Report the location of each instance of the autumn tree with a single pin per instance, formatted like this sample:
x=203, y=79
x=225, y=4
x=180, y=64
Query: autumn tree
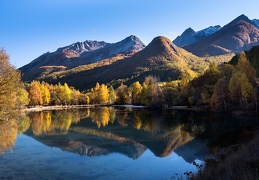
x=99, y=94
x=84, y=99
x=54, y=95
x=220, y=97
x=75, y=96
x=122, y=94
x=94, y=94
x=112, y=95
x=244, y=66
x=240, y=89
x=10, y=85
x=103, y=94
x=200, y=89
x=61, y=94
x=170, y=92
x=22, y=98
x=66, y=94
x=136, y=91
x=35, y=94
x=227, y=71
x=45, y=93
x=151, y=94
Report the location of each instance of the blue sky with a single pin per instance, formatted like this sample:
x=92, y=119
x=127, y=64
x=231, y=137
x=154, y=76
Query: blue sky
x=30, y=28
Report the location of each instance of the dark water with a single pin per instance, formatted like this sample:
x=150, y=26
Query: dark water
x=109, y=143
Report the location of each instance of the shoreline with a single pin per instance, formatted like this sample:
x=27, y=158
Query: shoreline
x=47, y=108
x=63, y=107
x=197, y=109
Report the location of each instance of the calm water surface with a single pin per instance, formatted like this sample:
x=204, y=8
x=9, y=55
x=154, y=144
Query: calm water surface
x=115, y=143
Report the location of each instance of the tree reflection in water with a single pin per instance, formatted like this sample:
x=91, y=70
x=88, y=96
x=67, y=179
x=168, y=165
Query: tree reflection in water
x=8, y=131
x=160, y=131
x=101, y=116
x=47, y=121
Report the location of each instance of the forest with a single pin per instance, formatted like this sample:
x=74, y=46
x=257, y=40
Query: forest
x=222, y=87
x=219, y=88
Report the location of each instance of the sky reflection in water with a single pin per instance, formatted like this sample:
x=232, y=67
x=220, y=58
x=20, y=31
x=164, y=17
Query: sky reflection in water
x=110, y=143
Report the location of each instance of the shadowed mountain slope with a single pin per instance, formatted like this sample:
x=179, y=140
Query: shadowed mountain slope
x=240, y=34
x=78, y=54
x=189, y=36
x=160, y=58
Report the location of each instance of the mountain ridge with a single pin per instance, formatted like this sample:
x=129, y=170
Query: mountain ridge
x=190, y=36
x=238, y=35
x=160, y=58
x=77, y=54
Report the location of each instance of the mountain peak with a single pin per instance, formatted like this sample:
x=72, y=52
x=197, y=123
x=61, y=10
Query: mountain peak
x=242, y=17
x=81, y=47
x=238, y=35
x=189, y=36
x=188, y=31
x=160, y=40
x=131, y=42
x=133, y=38
x=238, y=20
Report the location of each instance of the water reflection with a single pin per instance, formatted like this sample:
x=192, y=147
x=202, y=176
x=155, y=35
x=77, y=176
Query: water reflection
x=48, y=121
x=105, y=130
x=8, y=131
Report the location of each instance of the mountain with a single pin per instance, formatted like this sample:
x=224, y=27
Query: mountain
x=189, y=36
x=80, y=53
x=256, y=22
x=83, y=64
x=160, y=58
x=239, y=35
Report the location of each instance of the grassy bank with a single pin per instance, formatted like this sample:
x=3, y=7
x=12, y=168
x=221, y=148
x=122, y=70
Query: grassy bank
x=237, y=162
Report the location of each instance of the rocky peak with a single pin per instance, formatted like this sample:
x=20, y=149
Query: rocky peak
x=256, y=22
x=188, y=31
x=81, y=47
x=240, y=19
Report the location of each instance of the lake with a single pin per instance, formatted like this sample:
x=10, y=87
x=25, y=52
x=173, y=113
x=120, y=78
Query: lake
x=115, y=143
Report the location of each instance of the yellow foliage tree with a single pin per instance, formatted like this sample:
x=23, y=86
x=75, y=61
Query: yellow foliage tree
x=10, y=86
x=35, y=94
x=45, y=93
x=136, y=90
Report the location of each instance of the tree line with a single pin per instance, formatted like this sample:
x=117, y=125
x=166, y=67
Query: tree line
x=223, y=87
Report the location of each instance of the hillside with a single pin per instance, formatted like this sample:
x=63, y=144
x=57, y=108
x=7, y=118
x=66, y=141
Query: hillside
x=240, y=34
x=160, y=58
x=78, y=54
x=252, y=55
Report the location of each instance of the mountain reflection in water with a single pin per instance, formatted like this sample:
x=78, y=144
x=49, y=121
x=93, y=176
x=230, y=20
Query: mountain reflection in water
x=101, y=131
x=113, y=143
x=105, y=130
